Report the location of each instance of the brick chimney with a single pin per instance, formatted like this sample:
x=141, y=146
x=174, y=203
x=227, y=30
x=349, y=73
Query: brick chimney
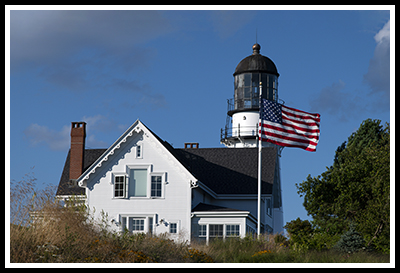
x=78, y=135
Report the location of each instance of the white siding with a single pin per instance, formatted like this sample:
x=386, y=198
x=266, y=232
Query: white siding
x=175, y=203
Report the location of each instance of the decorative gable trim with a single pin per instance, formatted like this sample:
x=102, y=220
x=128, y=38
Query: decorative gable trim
x=137, y=127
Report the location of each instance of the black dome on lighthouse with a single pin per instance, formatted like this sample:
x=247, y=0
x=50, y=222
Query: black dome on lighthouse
x=256, y=63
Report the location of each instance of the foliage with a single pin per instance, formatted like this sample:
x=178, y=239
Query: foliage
x=303, y=236
x=356, y=188
x=70, y=235
x=300, y=232
x=351, y=242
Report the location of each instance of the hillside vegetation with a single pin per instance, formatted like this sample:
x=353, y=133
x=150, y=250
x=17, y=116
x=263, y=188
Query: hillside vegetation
x=71, y=235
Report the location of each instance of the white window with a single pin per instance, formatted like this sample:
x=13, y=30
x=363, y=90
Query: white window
x=136, y=223
x=138, y=181
x=173, y=228
x=202, y=230
x=156, y=186
x=216, y=231
x=119, y=186
x=232, y=230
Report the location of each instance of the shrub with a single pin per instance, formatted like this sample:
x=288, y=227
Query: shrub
x=351, y=241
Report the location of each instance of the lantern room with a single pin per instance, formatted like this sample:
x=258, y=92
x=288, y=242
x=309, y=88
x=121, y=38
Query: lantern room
x=243, y=109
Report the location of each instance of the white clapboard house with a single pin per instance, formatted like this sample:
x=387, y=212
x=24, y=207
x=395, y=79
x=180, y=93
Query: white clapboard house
x=146, y=185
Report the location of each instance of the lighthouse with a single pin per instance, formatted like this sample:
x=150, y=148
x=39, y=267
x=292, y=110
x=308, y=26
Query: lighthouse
x=241, y=129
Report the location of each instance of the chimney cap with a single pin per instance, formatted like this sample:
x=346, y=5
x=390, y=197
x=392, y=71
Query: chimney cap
x=78, y=124
x=191, y=145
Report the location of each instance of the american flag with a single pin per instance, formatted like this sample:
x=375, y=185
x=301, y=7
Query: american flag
x=286, y=126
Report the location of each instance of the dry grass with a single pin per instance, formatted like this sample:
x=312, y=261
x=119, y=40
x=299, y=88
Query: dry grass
x=68, y=235
x=58, y=234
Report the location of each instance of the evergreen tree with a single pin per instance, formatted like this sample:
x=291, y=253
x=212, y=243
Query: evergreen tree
x=351, y=241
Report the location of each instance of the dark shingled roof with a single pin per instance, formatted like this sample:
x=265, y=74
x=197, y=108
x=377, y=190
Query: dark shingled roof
x=230, y=170
x=64, y=188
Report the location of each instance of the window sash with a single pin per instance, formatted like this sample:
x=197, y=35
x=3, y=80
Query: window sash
x=156, y=186
x=136, y=224
x=216, y=231
x=202, y=230
x=173, y=228
x=232, y=230
x=119, y=186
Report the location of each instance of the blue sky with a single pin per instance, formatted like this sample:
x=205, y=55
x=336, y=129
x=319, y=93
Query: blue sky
x=173, y=70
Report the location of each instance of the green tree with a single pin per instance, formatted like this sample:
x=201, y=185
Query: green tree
x=356, y=188
x=300, y=231
x=351, y=241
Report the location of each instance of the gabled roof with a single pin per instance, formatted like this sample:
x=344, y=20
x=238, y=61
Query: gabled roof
x=135, y=128
x=224, y=171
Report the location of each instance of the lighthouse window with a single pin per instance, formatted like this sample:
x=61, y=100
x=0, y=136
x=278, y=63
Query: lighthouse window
x=247, y=92
x=247, y=88
x=254, y=79
x=247, y=78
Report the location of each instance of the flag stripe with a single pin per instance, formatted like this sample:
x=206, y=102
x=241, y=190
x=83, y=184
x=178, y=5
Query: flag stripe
x=288, y=136
x=299, y=112
x=280, y=143
x=268, y=126
x=286, y=126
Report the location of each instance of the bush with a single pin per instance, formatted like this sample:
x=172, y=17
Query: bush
x=351, y=241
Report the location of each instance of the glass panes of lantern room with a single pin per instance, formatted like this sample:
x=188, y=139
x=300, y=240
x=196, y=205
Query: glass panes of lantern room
x=247, y=88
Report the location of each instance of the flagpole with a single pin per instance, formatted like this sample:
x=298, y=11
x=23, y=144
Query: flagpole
x=259, y=169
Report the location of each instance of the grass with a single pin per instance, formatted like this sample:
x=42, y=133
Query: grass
x=265, y=250
x=70, y=235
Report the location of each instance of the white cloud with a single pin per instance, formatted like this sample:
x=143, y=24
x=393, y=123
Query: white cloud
x=51, y=36
x=100, y=123
x=378, y=75
x=56, y=140
x=60, y=140
x=334, y=101
x=383, y=34
x=87, y=51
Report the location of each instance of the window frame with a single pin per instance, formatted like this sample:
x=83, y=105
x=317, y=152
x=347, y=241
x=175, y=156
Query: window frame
x=268, y=206
x=129, y=183
x=124, y=183
x=162, y=175
x=175, y=228
x=139, y=151
x=130, y=167
x=148, y=222
x=233, y=228
x=204, y=230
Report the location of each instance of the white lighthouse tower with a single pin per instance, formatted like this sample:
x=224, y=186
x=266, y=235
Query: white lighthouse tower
x=241, y=128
